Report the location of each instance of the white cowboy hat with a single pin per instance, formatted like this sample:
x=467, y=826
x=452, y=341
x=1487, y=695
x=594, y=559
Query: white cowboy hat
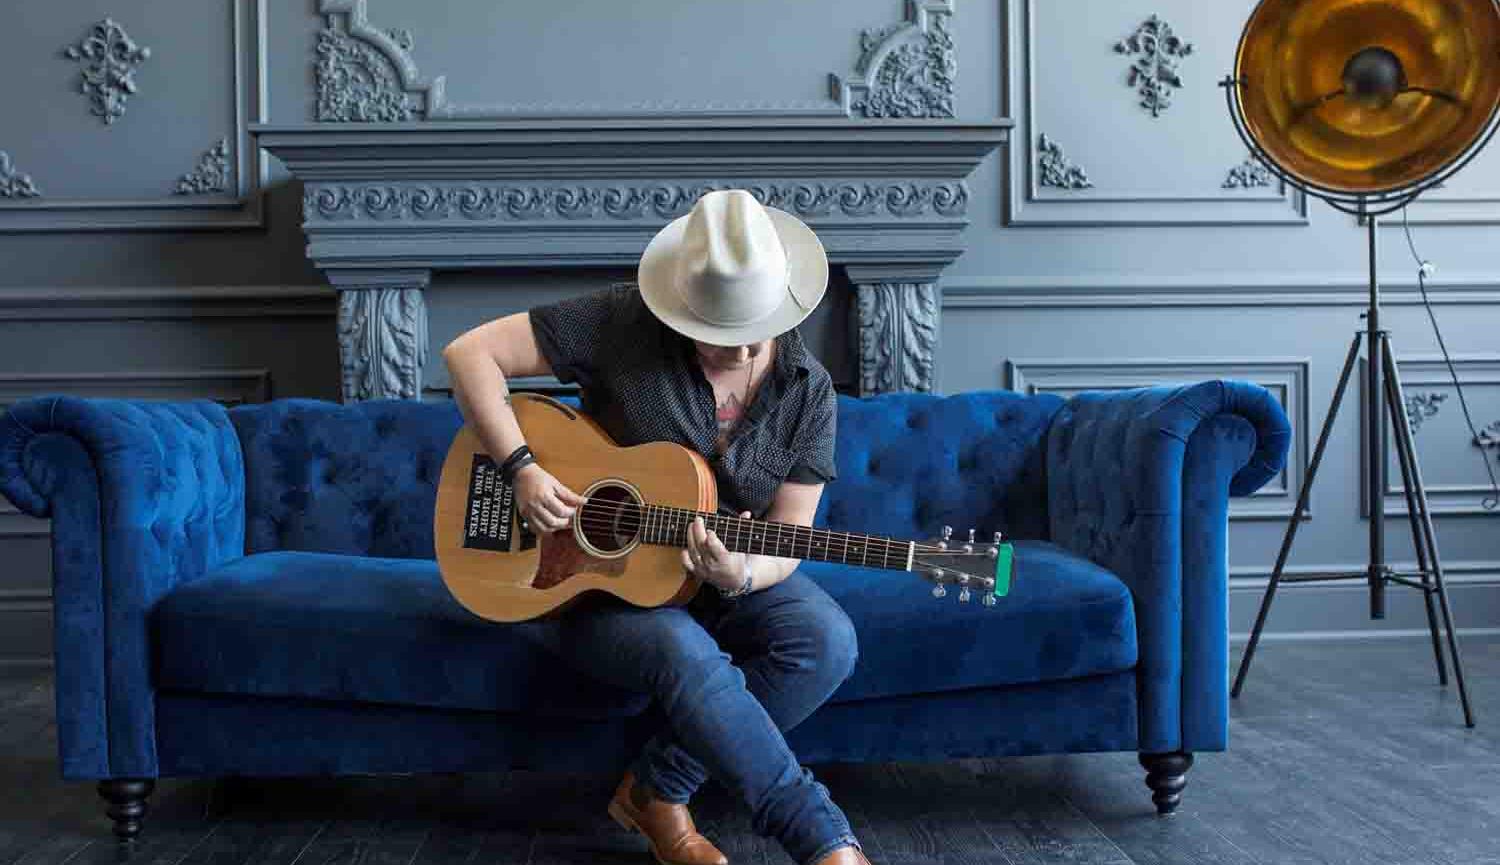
x=733, y=271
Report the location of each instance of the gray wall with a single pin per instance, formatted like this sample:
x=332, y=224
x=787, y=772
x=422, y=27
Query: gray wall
x=115, y=283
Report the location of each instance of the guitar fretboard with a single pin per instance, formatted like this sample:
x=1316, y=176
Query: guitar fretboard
x=666, y=526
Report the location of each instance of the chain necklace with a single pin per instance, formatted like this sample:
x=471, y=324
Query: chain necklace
x=749, y=376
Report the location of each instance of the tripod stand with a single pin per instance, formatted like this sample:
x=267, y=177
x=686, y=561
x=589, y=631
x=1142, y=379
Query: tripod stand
x=1383, y=383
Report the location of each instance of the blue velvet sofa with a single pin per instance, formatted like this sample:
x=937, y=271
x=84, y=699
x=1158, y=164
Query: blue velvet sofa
x=252, y=590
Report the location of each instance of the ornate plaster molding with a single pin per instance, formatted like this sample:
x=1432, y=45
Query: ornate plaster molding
x=211, y=175
x=325, y=202
x=1489, y=438
x=898, y=332
x=1153, y=72
x=1421, y=406
x=14, y=184
x=1250, y=174
x=1056, y=169
x=367, y=74
x=905, y=69
x=382, y=335
x=109, y=58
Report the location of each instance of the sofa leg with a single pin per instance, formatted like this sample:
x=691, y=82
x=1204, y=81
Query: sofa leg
x=127, y=803
x=1166, y=775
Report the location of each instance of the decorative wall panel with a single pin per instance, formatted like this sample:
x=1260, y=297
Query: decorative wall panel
x=1451, y=458
x=364, y=73
x=1062, y=78
x=1285, y=379
x=159, y=86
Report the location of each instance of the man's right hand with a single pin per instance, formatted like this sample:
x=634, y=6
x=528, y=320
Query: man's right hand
x=544, y=502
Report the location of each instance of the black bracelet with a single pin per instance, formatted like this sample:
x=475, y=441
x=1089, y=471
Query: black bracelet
x=510, y=476
x=510, y=462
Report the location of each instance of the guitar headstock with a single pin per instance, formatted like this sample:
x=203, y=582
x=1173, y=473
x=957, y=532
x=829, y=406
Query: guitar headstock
x=973, y=566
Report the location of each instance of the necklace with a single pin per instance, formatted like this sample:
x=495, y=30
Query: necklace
x=749, y=376
x=728, y=415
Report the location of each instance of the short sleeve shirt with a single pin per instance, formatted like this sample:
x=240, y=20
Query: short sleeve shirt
x=641, y=382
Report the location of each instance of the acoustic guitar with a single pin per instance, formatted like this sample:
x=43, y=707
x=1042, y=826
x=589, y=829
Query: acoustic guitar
x=626, y=537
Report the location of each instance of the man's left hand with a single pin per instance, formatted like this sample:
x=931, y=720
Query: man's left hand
x=709, y=560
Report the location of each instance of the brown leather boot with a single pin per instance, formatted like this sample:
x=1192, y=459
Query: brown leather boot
x=844, y=856
x=674, y=839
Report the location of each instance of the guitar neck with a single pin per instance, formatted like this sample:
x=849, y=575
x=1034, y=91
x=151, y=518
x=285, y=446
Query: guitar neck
x=666, y=526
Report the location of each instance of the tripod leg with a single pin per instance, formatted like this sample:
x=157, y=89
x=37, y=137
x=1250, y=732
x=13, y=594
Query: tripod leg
x=1397, y=405
x=1403, y=430
x=1291, y=529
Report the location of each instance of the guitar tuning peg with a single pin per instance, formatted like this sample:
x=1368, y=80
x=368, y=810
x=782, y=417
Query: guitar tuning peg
x=939, y=592
x=963, y=595
x=998, y=538
x=947, y=532
x=988, y=599
x=971, y=536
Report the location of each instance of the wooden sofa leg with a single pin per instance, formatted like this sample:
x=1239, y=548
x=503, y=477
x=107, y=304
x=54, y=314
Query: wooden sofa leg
x=127, y=803
x=1166, y=775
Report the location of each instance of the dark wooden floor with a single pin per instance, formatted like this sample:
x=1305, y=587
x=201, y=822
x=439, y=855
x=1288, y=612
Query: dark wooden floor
x=1339, y=753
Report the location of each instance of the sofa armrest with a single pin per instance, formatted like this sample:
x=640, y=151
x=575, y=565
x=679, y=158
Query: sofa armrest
x=142, y=496
x=1139, y=482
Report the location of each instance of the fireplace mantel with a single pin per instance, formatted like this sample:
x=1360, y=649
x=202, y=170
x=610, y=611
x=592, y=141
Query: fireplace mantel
x=386, y=205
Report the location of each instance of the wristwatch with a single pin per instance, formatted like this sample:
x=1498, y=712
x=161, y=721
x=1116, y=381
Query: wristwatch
x=744, y=588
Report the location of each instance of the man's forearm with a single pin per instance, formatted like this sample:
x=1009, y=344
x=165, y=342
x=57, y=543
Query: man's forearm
x=480, y=390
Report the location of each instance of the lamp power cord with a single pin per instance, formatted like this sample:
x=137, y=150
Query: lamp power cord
x=1424, y=270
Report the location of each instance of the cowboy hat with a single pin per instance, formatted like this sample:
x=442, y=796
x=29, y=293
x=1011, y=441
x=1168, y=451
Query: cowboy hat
x=733, y=271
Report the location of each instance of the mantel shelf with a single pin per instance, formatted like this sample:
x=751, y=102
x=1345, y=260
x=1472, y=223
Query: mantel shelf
x=385, y=205
x=584, y=193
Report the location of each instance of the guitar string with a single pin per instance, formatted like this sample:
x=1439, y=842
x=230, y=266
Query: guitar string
x=675, y=535
x=801, y=534
x=886, y=547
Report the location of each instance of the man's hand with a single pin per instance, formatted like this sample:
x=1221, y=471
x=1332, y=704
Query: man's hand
x=709, y=560
x=544, y=502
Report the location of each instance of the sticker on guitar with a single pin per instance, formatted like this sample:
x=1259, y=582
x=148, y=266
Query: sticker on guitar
x=490, y=516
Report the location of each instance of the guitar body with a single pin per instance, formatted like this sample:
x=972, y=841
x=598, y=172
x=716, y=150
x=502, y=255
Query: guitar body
x=505, y=573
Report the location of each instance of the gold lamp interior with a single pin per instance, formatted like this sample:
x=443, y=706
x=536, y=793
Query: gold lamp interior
x=1365, y=97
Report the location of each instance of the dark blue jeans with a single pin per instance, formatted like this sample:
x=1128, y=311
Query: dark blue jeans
x=731, y=675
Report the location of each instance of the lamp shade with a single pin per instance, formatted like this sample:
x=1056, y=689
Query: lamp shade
x=1368, y=97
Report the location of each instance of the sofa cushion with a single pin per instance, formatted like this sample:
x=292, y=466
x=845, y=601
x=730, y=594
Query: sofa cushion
x=380, y=630
x=1065, y=617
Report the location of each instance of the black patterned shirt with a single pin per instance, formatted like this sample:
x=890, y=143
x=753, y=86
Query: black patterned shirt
x=641, y=381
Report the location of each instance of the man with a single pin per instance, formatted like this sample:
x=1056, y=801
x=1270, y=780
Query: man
x=705, y=354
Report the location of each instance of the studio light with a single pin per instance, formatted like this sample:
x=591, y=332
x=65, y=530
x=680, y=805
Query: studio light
x=1367, y=104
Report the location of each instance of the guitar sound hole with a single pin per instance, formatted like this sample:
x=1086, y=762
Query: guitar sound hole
x=610, y=520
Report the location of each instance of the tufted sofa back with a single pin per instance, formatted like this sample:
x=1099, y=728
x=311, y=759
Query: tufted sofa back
x=908, y=464
x=361, y=479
